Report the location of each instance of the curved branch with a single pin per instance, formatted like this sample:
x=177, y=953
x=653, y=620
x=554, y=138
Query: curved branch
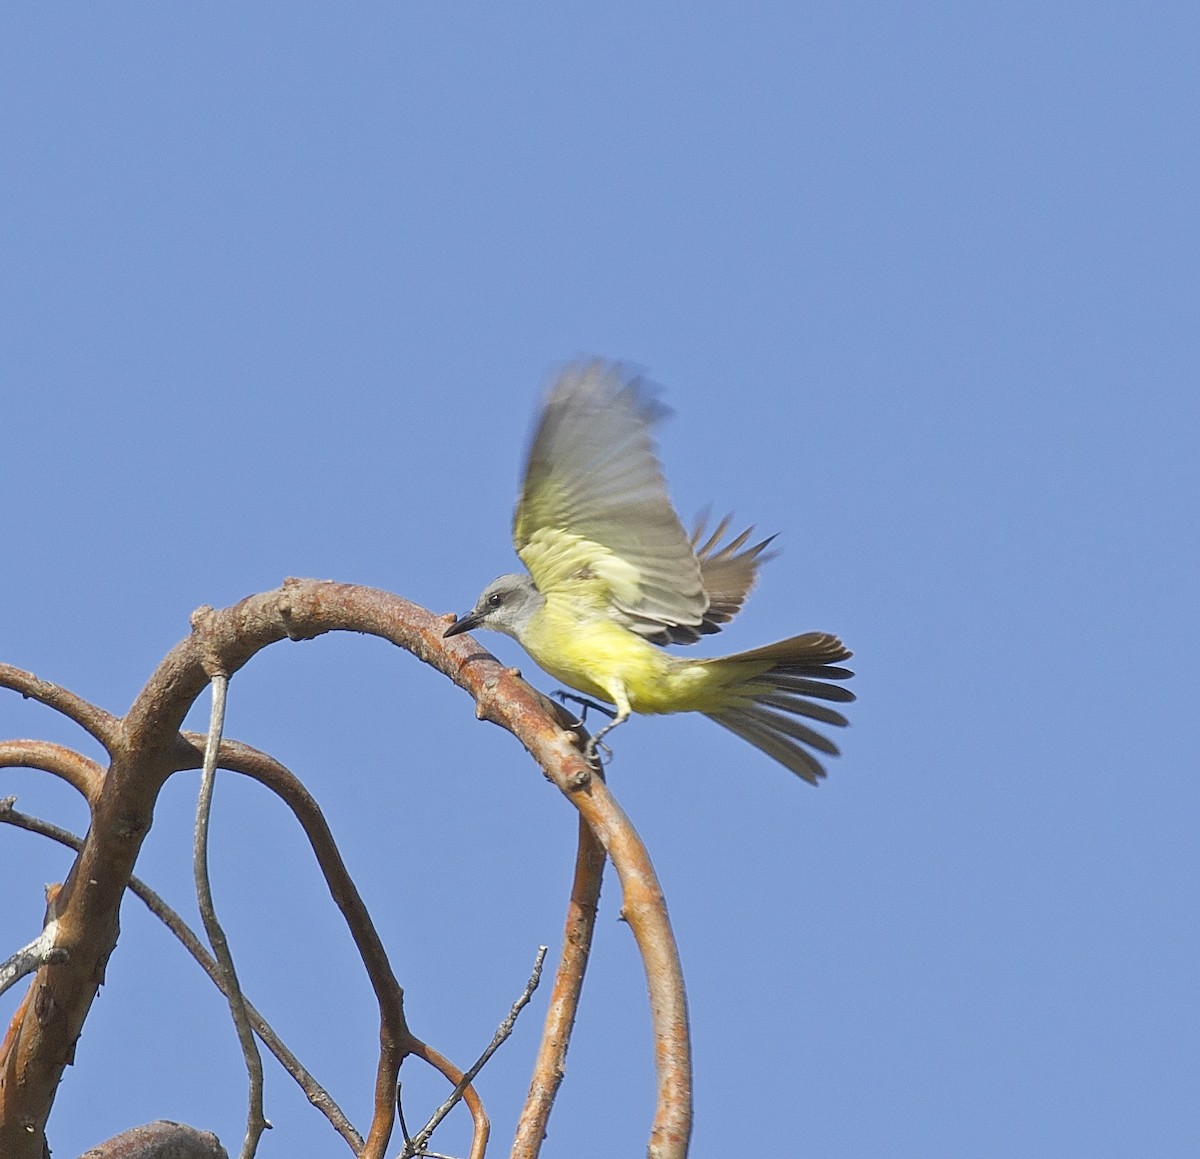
x=141, y=750
x=78, y=771
x=256, y=1120
x=100, y=724
x=644, y=908
x=418, y=1144
x=483, y=1128
x=643, y=904
x=551, y=1061
x=395, y=1039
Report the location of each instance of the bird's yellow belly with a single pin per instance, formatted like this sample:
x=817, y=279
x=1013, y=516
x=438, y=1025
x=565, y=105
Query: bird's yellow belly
x=599, y=658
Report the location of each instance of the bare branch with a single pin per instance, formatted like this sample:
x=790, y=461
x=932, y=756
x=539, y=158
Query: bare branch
x=564, y=998
x=644, y=908
x=37, y=1051
x=416, y=1145
x=316, y=1094
x=394, y=1036
x=100, y=724
x=482, y=1127
x=643, y=904
x=40, y=952
x=256, y=1122
x=80, y=772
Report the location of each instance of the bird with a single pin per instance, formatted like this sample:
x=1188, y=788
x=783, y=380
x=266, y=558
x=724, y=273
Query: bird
x=612, y=577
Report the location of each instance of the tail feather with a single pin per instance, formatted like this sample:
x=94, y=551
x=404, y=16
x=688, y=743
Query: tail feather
x=790, y=726
x=749, y=727
x=805, y=708
x=768, y=700
x=804, y=686
x=795, y=677
x=812, y=648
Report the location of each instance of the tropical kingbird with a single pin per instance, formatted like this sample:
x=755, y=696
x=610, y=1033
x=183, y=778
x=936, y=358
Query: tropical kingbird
x=613, y=575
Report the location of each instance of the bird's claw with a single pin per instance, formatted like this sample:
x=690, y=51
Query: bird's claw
x=594, y=748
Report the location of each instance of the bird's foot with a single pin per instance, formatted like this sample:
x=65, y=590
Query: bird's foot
x=583, y=702
x=593, y=750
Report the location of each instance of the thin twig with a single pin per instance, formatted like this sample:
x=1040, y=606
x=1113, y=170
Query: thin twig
x=313, y=1090
x=416, y=1146
x=256, y=1122
x=482, y=1128
x=40, y=952
x=395, y=1039
x=550, y=1066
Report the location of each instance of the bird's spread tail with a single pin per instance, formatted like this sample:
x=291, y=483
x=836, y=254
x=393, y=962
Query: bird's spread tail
x=781, y=683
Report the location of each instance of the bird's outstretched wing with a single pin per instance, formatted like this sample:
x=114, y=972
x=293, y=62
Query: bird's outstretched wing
x=593, y=517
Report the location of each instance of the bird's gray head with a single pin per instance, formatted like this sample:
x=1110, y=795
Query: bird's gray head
x=506, y=605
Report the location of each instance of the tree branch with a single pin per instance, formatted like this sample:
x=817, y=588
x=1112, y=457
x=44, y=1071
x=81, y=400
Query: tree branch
x=643, y=904
x=100, y=724
x=550, y=1066
x=80, y=772
x=395, y=1038
x=416, y=1145
x=479, y=1119
x=316, y=1094
x=256, y=1121
x=38, y=953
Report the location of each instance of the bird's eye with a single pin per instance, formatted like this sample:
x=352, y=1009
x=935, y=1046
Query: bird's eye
x=495, y=600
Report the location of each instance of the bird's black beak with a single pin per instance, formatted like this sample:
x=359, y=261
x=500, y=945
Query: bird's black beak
x=462, y=624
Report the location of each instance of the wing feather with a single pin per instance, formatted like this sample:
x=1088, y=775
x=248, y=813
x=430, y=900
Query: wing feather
x=594, y=502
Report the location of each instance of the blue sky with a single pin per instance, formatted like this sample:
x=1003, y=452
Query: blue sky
x=281, y=287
